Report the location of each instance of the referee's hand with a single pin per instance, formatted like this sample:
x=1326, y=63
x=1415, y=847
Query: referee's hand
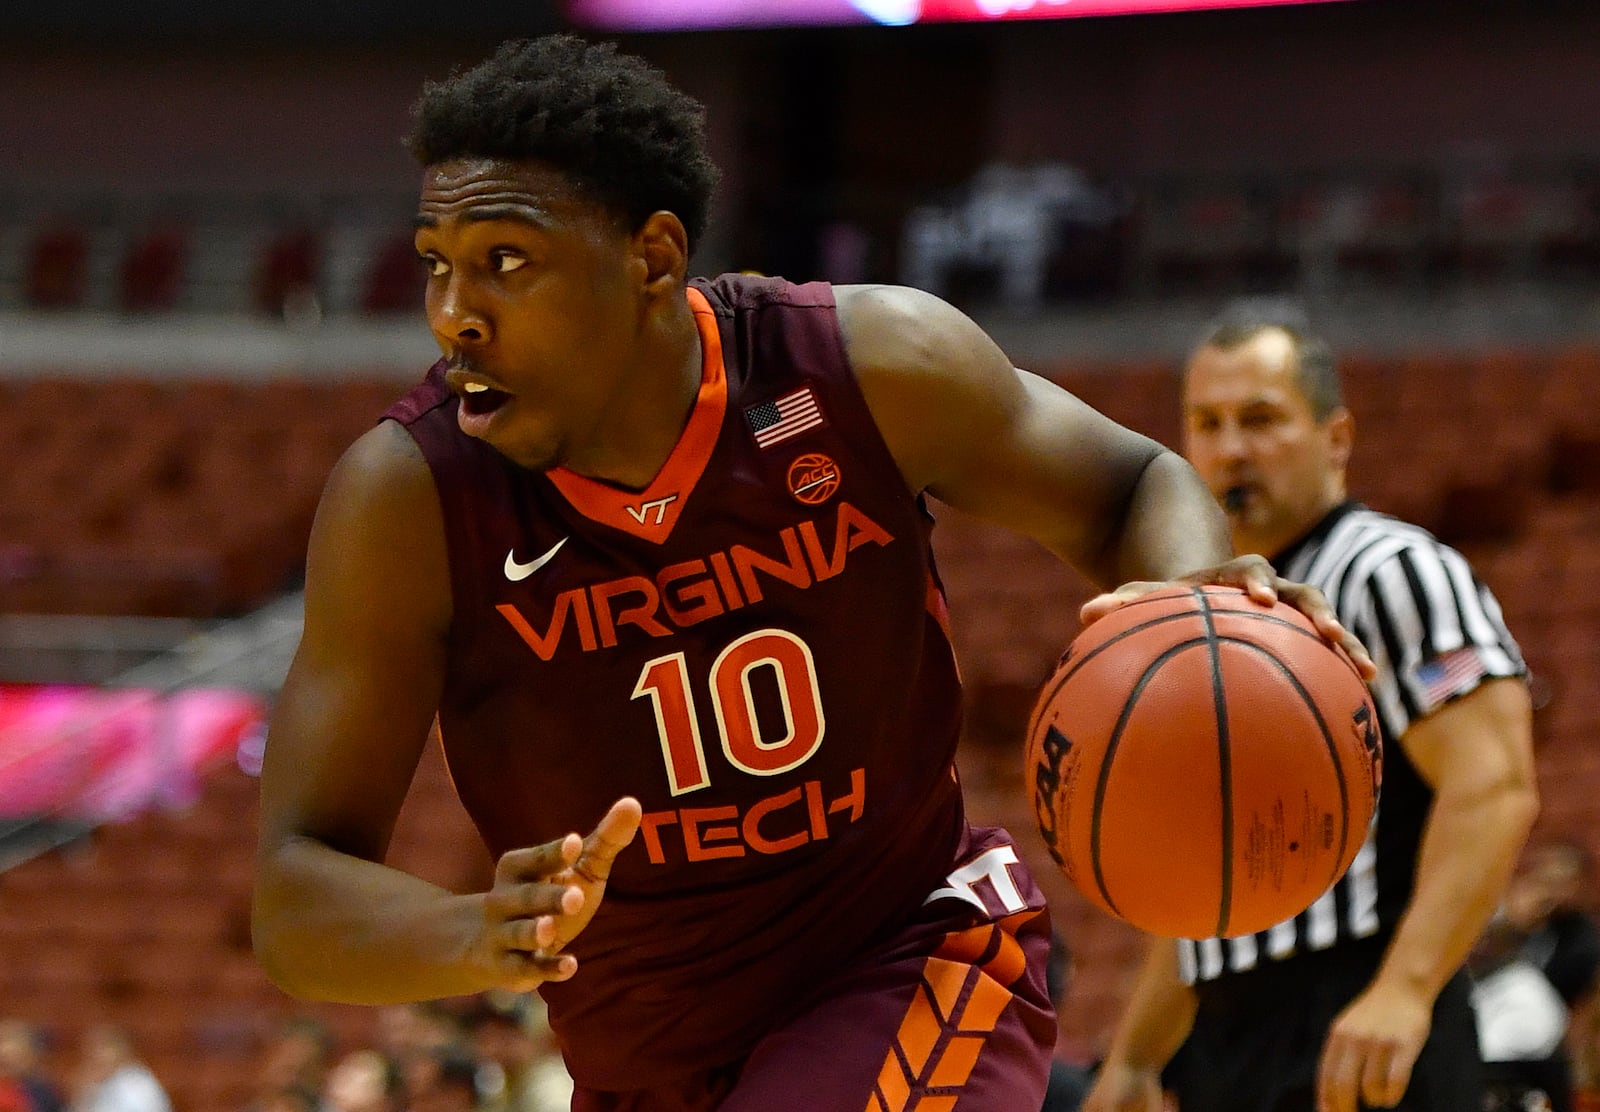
x=1371, y=1049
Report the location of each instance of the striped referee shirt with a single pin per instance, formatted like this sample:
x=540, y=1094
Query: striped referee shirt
x=1435, y=632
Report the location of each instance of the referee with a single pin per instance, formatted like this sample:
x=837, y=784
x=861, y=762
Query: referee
x=1360, y=1001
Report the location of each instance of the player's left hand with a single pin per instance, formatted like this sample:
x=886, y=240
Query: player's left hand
x=576, y=868
x=1371, y=1049
x=1257, y=578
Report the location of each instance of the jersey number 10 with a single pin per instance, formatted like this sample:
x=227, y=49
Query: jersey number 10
x=666, y=681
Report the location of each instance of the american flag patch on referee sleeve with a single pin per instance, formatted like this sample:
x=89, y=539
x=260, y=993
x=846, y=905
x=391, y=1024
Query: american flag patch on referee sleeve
x=784, y=417
x=1451, y=674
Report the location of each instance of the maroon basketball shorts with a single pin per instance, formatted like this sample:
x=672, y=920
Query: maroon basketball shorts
x=952, y=1014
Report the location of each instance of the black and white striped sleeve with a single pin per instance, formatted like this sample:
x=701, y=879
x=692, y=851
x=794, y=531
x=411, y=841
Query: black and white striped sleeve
x=1434, y=629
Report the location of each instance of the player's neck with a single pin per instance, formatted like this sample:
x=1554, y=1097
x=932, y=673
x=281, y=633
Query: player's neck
x=646, y=420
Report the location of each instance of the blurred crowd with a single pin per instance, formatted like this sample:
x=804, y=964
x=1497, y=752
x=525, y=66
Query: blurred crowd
x=485, y=1054
x=1535, y=971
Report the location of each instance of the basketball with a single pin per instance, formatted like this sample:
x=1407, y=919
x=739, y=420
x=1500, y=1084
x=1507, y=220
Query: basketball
x=1202, y=765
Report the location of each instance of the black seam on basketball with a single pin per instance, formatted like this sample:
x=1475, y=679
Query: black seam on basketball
x=1103, y=780
x=1219, y=703
x=1269, y=616
x=1112, y=640
x=1264, y=616
x=1327, y=738
x=1050, y=692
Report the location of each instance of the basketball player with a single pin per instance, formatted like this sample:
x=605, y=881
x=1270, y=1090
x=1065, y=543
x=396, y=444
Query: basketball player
x=655, y=552
x=1359, y=1002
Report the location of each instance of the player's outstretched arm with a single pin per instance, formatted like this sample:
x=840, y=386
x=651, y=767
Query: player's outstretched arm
x=1013, y=448
x=332, y=922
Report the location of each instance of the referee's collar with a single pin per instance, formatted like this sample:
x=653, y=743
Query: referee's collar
x=1316, y=534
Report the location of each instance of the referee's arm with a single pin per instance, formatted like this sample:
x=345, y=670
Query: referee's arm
x=1476, y=753
x=1158, y=1017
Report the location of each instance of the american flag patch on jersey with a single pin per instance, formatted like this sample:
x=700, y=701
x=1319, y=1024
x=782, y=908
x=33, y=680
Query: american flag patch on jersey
x=784, y=417
x=1451, y=674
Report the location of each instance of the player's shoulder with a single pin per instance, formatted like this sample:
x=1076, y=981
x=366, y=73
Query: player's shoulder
x=895, y=309
x=379, y=530
x=383, y=451
x=383, y=470
x=900, y=327
x=880, y=324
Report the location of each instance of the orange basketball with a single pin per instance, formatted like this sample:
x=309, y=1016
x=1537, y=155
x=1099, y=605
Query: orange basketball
x=1203, y=765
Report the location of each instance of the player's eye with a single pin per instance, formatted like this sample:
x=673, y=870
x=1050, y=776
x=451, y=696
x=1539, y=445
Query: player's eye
x=433, y=264
x=504, y=262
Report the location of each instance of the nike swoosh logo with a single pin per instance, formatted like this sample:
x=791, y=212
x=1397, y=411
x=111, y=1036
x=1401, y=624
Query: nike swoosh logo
x=517, y=572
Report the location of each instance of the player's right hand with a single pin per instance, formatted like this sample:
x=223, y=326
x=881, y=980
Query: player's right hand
x=544, y=896
x=1123, y=1088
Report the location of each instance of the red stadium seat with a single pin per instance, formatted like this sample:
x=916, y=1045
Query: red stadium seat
x=58, y=268
x=287, y=272
x=394, y=279
x=152, y=273
x=1380, y=228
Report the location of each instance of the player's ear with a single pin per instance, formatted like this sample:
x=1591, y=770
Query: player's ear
x=1341, y=427
x=662, y=246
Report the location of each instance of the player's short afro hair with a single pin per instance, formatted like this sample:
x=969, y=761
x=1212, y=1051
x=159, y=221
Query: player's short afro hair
x=610, y=122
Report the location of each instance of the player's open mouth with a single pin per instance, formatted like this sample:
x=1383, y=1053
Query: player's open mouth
x=480, y=400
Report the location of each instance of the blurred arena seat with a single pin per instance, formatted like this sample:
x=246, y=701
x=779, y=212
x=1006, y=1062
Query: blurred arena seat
x=287, y=272
x=394, y=278
x=1032, y=235
x=166, y=949
x=169, y=499
x=1208, y=239
x=1567, y=403
x=1568, y=245
x=152, y=274
x=1380, y=227
x=194, y=498
x=57, y=274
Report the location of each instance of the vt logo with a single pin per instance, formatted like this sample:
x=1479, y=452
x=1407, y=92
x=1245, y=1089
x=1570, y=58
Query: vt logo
x=641, y=512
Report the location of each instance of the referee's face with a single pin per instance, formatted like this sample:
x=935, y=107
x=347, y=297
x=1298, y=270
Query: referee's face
x=1250, y=433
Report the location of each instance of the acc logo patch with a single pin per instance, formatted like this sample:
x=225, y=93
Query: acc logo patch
x=813, y=478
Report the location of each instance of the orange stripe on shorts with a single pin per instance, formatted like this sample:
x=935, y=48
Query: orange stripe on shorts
x=992, y=946
x=943, y=1032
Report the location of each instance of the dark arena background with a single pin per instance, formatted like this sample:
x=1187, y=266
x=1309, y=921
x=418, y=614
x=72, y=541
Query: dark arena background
x=207, y=290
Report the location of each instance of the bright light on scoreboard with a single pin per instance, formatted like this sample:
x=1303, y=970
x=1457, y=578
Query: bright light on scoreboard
x=677, y=15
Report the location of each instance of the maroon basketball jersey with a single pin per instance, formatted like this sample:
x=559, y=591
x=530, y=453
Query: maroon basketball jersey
x=755, y=647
